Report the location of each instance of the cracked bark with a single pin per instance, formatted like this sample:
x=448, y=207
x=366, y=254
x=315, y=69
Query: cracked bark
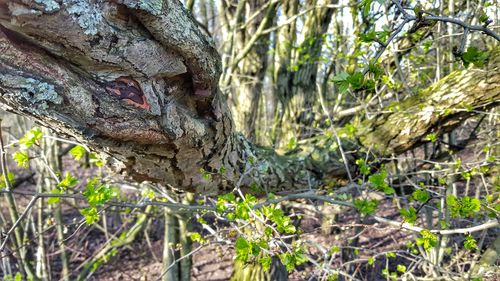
x=58, y=57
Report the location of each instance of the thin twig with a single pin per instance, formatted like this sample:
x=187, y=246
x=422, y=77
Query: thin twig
x=18, y=221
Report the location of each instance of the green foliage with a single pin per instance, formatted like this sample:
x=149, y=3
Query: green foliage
x=475, y=56
x=292, y=259
x=246, y=249
x=364, y=206
x=374, y=36
x=421, y=195
x=348, y=131
x=409, y=215
x=17, y=277
x=10, y=179
x=207, y=176
x=363, y=167
x=265, y=261
x=21, y=159
x=96, y=193
x=67, y=182
x=470, y=243
x=91, y=215
x=378, y=182
x=31, y=137
x=432, y=137
x=196, y=237
x=292, y=143
x=464, y=207
x=427, y=239
x=345, y=81
x=222, y=202
x=283, y=223
x=95, y=159
x=78, y=152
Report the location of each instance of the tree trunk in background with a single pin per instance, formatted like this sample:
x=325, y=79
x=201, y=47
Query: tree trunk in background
x=298, y=83
x=164, y=119
x=249, y=48
x=254, y=272
x=176, y=243
x=285, y=39
x=169, y=242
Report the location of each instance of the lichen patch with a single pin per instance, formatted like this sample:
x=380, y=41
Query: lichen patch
x=88, y=15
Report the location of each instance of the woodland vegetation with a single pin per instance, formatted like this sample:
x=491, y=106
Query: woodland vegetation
x=249, y=140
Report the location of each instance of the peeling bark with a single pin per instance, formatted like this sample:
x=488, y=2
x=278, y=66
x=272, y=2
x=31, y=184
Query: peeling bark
x=83, y=68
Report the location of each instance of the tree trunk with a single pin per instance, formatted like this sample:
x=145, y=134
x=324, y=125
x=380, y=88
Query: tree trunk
x=80, y=69
x=297, y=77
x=253, y=271
x=246, y=69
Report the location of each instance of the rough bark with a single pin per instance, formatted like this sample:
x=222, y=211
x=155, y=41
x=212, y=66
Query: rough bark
x=296, y=87
x=137, y=81
x=437, y=109
x=246, y=78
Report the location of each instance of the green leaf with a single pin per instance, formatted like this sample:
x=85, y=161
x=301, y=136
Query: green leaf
x=196, y=237
x=242, y=243
x=474, y=56
x=68, y=181
x=91, y=215
x=292, y=143
x=291, y=260
x=335, y=249
x=268, y=231
x=290, y=229
x=364, y=169
x=432, y=137
x=77, y=152
x=366, y=7
x=427, y=240
x=364, y=206
x=95, y=159
x=464, y=207
x=54, y=200
x=470, y=243
x=21, y=159
x=371, y=260
x=265, y=262
x=10, y=179
x=409, y=215
x=421, y=195
x=483, y=18
x=356, y=80
x=243, y=249
x=401, y=268
x=97, y=193
x=341, y=81
x=30, y=138
x=378, y=182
